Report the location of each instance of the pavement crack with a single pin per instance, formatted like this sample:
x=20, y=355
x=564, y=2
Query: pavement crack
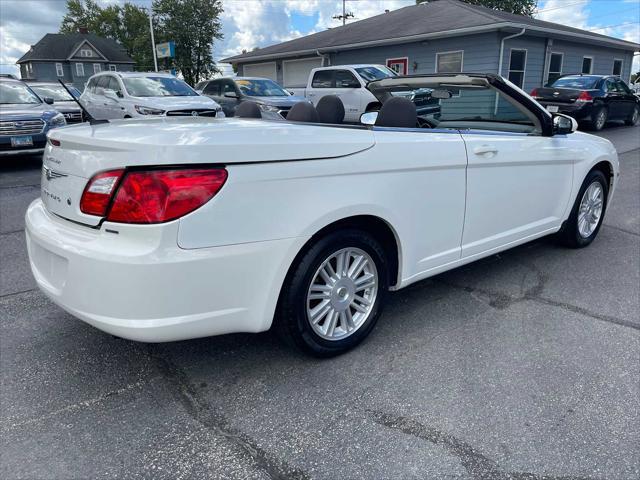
x=478, y=465
x=11, y=232
x=6, y=295
x=624, y=230
x=502, y=301
x=77, y=406
x=6, y=187
x=201, y=411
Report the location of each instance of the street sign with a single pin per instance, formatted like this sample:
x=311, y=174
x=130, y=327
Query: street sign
x=166, y=49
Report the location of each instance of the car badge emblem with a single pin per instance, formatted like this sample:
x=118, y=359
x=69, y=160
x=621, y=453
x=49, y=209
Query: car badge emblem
x=51, y=174
x=18, y=124
x=194, y=114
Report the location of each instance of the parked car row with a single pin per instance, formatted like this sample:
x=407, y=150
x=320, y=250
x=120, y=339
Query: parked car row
x=593, y=100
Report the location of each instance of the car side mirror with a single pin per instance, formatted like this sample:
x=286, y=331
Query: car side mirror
x=111, y=95
x=564, y=124
x=48, y=100
x=231, y=95
x=369, y=118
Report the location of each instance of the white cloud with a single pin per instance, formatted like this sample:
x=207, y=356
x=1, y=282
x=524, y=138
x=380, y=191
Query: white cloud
x=574, y=13
x=258, y=23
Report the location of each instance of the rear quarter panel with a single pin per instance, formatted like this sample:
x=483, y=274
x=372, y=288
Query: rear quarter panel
x=413, y=181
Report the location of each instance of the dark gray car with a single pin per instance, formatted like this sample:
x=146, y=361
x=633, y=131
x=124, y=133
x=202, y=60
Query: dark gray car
x=229, y=92
x=62, y=101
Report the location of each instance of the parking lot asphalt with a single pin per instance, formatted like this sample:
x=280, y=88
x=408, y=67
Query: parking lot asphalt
x=525, y=365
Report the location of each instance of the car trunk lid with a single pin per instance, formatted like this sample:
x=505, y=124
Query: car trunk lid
x=558, y=95
x=85, y=150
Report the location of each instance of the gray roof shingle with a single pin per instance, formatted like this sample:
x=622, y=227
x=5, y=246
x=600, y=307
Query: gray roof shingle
x=427, y=18
x=59, y=46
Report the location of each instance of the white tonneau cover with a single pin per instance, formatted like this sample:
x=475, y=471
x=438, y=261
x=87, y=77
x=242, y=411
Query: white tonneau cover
x=192, y=140
x=88, y=149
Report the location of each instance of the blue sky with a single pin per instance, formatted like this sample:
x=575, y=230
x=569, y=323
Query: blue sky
x=258, y=23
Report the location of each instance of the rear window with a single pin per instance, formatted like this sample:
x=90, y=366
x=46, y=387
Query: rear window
x=582, y=83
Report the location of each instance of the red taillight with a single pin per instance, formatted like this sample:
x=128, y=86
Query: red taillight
x=54, y=142
x=584, y=97
x=97, y=194
x=151, y=196
x=534, y=93
x=157, y=196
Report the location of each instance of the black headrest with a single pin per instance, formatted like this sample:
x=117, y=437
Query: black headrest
x=248, y=109
x=397, y=112
x=303, y=112
x=330, y=109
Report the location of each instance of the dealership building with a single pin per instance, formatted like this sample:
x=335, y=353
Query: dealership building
x=446, y=36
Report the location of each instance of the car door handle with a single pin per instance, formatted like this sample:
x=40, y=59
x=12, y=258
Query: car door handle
x=484, y=149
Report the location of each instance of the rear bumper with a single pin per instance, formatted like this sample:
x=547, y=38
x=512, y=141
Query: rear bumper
x=39, y=142
x=21, y=151
x=138, y=284
x=579, y=112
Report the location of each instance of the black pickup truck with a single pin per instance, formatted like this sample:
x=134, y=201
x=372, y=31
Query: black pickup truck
x=591, y=99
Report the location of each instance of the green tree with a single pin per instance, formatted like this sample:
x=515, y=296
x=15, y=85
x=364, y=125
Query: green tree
x=520, y=7
x=193, y=25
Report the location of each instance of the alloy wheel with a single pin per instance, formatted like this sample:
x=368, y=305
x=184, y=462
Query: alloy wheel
x=342, y=294
x=590, y=209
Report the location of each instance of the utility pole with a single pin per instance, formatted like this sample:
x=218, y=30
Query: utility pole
x=153, y=41
x=344, y=15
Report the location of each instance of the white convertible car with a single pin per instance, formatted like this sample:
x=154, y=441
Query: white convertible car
x=174, y=228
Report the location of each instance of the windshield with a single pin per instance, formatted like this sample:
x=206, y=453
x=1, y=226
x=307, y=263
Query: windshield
x=17, y=93
x=157, y=87
x=57, y=92
x=584, y=83
x=375, y=73
x=261, y=88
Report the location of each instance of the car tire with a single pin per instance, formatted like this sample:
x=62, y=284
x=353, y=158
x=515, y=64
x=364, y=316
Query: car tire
x=634, y=117
x=294, y=320
x=598, y=119
x=574, y=233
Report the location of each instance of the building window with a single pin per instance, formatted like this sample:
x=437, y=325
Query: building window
x=79, y=69
x=449, y=62
x=517, y=67
x=112, y=68
x=29, y=70
x=587, y=65
x=97, y=68
x=85, y=52
x=555, y=67
x=617, y=67
x=399, y=65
